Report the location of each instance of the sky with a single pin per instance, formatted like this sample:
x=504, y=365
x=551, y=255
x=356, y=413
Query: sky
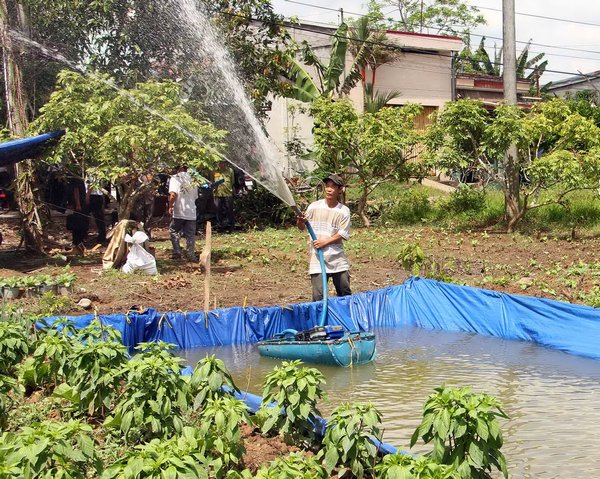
x=569, y=47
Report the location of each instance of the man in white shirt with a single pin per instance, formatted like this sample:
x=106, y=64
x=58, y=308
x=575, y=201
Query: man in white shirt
x=182, y=208
x=330, y=221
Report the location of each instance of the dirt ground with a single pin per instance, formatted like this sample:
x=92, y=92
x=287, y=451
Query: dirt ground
x=264, y=268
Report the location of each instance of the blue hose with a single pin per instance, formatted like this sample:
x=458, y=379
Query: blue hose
x=313, y=236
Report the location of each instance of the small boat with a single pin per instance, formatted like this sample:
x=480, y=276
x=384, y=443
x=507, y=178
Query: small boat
x=323, y=344
x=350, y=349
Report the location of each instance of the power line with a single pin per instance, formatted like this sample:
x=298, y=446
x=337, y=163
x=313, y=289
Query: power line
x=473, y=34
x=390, y=46
x=579, y=22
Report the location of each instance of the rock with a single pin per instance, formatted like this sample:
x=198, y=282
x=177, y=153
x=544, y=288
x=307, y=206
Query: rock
x=85, y=303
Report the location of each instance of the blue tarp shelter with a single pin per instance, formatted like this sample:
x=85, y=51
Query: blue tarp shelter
x=17, y=150
x=418, y=302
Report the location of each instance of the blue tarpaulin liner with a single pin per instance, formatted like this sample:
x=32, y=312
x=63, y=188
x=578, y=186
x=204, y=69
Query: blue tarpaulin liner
x=17, y=150
x=418, y=302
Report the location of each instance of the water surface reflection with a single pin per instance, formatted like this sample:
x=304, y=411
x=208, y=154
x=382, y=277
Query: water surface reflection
x=550, y=396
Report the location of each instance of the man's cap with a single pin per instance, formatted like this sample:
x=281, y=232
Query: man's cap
x=335, y=178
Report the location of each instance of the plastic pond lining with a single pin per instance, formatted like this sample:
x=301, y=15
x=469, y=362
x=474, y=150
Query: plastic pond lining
x=418, y=302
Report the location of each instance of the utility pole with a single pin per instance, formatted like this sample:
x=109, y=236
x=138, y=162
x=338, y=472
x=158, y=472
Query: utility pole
x=511, y=162
x=341, y=16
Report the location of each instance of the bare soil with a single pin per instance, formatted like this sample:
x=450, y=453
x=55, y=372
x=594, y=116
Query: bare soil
x=264, y=268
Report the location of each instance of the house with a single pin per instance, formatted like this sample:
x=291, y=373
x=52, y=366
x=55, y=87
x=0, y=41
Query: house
x=489, y=89
x=570, y=86
x=422, y=73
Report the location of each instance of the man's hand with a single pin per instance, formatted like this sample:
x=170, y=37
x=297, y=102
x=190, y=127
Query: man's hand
x=170, y=211
x=320, y=243
x=301, y=222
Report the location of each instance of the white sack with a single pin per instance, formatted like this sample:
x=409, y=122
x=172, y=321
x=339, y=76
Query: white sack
x=138, y=259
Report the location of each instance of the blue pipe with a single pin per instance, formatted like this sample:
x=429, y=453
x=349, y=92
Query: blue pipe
x=313, y=236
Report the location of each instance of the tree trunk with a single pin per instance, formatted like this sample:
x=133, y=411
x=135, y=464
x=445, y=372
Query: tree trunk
x=362, y=207
x=17, y=123
x=512, y=186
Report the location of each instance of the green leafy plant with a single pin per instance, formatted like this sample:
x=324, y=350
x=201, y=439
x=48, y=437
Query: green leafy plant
x=8, y=387
x=411, y=257
x=96, y=367
x=50, y=361
x=50, y=304
x=466, y=199
x=14, y=345
x=465, y=432
x=155, y=397
x=49, y=450
x=295, y=390
x=405, y=466
x=65, y=279
x=210, y=380
x=221, y=419
x=409, y=207
x=296, y=465
x=186, y=456
x=347, y=442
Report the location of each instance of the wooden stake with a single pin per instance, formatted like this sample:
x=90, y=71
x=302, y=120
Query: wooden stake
x=205, y=261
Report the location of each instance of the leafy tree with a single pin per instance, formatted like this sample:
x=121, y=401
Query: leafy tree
x=119, y=135
x=559, y=150
x=442, y=17
x=372, y=148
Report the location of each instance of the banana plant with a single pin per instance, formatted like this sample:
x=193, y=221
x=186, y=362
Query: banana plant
x=333, y=78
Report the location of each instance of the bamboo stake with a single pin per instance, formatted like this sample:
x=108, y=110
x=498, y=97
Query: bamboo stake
x=205, y=261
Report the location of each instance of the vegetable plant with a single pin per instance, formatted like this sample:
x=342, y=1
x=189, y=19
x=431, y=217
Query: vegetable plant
x=411, y=257
x=347, y=443
x=221, y=419
x=49, y=450
x=50, y=361
x=465, y=432
x=210, y=380
x=14, y=345
x=185, y=456
x=296, y=465
x=155, y=397
x=7, y=386
x=95, y=371
x=295, y=390
x=405, y=466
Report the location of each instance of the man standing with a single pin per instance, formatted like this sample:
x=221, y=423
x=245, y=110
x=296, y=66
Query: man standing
x=182, y=208
x=95, y=201
x=224, y=197
x=330, y=221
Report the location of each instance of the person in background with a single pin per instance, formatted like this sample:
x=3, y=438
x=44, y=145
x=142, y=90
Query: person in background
x=95, y=203
x=224, y=197
x=78, y=220
x=330, y=221
x=182, y=209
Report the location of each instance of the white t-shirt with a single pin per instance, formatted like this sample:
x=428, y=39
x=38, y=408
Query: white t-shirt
x=326, y=222
x=185, y=203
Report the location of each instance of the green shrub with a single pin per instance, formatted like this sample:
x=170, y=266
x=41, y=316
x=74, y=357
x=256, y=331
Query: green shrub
x=411, y=257
x=410, y=207
x=14, y=345
x=295, y=465
x=49, y=450
x=400, y=465
x=96, y=370
x=222, y=419
x=347, y=444
x=296, y=391
x=8, y=389
x=49, y=363
x=466, y=199
x=155, y=396
x=465, y=432
x=186, y=456
x=208, y=380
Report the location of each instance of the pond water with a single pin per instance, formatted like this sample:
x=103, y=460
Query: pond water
x=552, y=398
